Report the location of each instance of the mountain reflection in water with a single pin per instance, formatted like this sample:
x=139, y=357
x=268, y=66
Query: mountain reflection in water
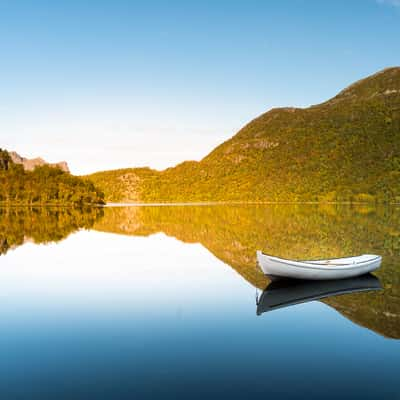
x=233, y=233
x=19, y=225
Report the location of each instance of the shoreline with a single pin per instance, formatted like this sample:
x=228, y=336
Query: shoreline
x=233, y=203
x=192, y=204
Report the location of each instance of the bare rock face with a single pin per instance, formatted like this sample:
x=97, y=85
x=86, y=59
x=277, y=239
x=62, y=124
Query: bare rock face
x=31, y=164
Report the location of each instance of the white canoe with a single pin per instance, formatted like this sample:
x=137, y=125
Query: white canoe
x=339, y=268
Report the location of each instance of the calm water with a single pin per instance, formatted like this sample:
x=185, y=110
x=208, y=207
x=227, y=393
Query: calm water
x=146, y=302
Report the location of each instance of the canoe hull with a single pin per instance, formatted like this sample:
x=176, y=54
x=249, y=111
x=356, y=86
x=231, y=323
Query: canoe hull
x=352, y=267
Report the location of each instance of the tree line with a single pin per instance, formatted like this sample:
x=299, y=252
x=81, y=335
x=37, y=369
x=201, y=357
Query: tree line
x=44, y=185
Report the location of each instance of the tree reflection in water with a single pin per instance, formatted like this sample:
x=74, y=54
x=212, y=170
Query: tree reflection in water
x=233, y=233
x=43, y=224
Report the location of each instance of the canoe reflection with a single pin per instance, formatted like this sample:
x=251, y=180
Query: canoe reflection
x=284, y=293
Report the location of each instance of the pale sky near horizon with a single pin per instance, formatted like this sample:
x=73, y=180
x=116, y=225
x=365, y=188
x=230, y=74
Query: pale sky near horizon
x=113, y=84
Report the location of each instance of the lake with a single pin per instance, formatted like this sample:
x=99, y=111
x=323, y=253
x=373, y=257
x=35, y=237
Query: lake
x=166, y=302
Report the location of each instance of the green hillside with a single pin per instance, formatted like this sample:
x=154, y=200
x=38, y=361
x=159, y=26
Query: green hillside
x=44, y=185
x=346, y=149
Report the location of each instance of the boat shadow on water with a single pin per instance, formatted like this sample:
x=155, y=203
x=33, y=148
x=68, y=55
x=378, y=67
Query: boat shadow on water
x=288, y=292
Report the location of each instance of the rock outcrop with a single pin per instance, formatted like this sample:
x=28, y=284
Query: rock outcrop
x=31, y=164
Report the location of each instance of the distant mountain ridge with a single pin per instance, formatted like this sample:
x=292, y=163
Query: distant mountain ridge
x=345, y=149
x=31, y=164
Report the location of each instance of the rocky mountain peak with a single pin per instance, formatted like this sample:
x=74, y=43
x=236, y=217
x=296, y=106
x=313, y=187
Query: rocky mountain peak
x=31, y=164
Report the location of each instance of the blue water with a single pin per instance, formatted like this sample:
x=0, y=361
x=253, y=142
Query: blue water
x=104, y=316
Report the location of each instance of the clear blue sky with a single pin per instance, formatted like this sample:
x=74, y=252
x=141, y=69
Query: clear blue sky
x=108, y=84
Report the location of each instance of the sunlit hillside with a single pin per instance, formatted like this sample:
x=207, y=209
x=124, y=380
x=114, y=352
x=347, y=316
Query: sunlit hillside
x=346, y=149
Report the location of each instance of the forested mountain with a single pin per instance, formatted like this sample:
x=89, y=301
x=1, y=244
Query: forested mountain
x=346, y=149
x=45, y=185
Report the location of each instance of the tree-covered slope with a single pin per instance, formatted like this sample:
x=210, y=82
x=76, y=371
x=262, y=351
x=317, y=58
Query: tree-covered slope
x=43, y=186
x=346, y=149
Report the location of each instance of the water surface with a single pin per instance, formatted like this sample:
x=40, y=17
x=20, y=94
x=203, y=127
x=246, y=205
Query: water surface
x=139, y=302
